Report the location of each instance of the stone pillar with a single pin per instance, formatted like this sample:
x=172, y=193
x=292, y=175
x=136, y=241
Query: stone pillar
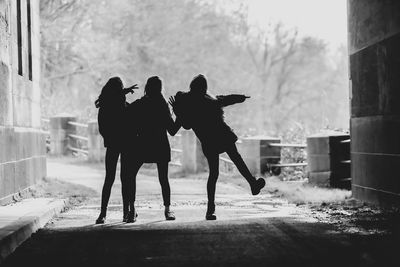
x=95, y=143
x=257, y=153
x=328, y=160
x=59, y=131
x=192, y=160
x=374, y=51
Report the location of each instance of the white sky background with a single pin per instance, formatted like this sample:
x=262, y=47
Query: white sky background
x=325, y=19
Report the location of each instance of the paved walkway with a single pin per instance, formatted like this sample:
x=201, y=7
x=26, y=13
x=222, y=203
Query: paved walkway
x=250, y=231
x=19, y=220
x=232, y=200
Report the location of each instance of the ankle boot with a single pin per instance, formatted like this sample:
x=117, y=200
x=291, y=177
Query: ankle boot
x=125, y=217
x=101, y=219
x=132, y=215
x=169, y=215
x=210, y=214
x=257, y=186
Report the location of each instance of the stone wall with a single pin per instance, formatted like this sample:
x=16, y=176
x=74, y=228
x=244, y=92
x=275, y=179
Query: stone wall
x=22, y=143
x=374, y=48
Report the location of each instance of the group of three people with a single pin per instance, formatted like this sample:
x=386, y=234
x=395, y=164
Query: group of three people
x=138, y=133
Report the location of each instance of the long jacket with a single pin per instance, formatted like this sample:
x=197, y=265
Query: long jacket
x=204, y=114
x=151, y=119
x=110, y=120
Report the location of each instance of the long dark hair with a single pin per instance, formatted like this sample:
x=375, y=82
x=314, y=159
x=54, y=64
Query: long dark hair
x=153, y=87
x=111, y=93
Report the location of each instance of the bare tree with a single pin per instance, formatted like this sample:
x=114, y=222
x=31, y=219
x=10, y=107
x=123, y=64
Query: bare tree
x=290, y=78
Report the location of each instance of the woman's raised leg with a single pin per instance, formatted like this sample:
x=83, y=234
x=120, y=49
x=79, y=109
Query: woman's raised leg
x=255, y=184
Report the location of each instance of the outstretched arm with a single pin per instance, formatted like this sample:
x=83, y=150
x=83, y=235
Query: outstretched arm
x=130, y=89
x=227, y=100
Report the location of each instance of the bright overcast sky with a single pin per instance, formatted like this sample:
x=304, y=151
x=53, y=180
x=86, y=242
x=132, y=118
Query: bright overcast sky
x=326, y=19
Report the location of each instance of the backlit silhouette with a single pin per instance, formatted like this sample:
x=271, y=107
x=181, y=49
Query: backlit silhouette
x=148, y=121
x=111, y=104
x=203, y=113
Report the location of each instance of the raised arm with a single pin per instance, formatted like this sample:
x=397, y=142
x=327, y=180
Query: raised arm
x=179, y=111
x=130, y=89
x=227, y=100
x=172, y=126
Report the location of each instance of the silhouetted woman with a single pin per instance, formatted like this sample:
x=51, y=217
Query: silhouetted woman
x=153, y=118
x=111, y=104
x=204, y=114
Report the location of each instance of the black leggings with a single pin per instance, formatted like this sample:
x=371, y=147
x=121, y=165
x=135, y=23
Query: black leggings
x=162, y=168
x=111, y=161
x=213, y=164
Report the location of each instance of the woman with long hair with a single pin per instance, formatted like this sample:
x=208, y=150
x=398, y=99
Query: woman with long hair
x=151, y=118
x=111, y=104
x=204, y=113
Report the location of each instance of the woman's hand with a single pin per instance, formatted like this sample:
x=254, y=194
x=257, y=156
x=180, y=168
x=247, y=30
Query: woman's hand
x=172, y=101
x=130, y=89
x=243, y=98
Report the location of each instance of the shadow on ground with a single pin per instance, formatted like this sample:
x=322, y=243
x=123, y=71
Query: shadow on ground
x=251, y=242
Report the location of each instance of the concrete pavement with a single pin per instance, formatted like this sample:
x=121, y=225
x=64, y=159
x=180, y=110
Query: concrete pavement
x=187, y=193
x=20, y=220
x=250, y=231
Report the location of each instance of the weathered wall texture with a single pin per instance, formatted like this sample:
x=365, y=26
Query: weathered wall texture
x=22, y=144
x=374, y=46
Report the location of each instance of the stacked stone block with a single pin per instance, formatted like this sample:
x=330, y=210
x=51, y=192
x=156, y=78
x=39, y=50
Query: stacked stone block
x=22, y=143
x=257, y=153
x=328, y=158
x=374, y=48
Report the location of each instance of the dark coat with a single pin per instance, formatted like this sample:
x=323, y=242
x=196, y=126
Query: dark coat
x=204, y=114
x=153, y=119
x=110, y=120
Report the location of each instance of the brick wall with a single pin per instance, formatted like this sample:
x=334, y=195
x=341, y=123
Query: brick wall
x=22, y=144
